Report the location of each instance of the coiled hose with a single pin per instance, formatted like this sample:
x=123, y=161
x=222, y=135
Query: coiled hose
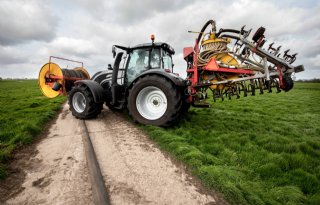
x=209, y=50
x=214, y=49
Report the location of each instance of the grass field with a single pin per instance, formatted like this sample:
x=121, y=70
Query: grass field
x=255, y=150
x=23, y=114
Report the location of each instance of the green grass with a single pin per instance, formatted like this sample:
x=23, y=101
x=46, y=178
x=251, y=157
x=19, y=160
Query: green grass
x=23, y=113
x=257, y=150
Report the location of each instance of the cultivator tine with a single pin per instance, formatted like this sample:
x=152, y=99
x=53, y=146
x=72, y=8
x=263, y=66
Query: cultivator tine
x=260, y=85
x=269, y=85
x=217, y=93
x=228, y=94
x=244, y=89
x=276, y=85
x=245, y=94
x=236, y=91
x=252, y=87
x=229, y=89
x=222, y=98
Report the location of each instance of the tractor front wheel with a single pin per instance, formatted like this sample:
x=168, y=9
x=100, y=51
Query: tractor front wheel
x=154, y=100
x=82, y=103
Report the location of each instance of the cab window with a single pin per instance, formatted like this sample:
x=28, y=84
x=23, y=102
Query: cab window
x=139, y=62
x=167, y=61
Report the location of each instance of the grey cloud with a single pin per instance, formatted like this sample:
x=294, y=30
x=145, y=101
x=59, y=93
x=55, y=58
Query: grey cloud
x=87, y=29
x=71, y=46
x=129, y=12
x=126, y=13
x=10, y=55
x=23, y=21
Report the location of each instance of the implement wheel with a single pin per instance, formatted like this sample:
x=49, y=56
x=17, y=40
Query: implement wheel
x=287, y=83
x=154, y=100
x=82, y=104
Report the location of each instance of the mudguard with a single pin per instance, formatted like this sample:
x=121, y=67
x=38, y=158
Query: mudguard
x=178, y=81
x=95, y=88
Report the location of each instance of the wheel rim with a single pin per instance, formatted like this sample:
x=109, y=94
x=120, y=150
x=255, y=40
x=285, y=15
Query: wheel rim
x=151, y=103
x=79, y=102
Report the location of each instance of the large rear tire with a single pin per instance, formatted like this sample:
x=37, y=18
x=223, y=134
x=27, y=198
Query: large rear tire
x=82, y=103
x=154, y=100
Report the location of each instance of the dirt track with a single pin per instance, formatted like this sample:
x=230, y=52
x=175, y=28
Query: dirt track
x=135, y=171
x=57, y=173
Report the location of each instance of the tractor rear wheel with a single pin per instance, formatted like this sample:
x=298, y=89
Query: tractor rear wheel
x=82, y=103
x=154, y=100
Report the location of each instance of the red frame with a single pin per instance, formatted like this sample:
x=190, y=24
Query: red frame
x=211, y=66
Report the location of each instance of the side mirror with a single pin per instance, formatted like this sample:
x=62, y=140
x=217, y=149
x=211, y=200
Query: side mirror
x=114, y=51
x=109, y=67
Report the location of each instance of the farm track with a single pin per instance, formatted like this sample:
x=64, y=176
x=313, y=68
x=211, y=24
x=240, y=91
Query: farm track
x=56, y=172
x=135, y=171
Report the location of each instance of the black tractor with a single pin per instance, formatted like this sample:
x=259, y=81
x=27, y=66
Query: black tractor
x=141, y=80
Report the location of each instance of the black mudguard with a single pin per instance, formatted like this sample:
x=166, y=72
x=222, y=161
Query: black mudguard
x=178, y=81
x=95, y=88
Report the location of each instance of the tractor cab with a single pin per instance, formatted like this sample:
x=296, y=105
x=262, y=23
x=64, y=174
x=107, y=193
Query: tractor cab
x=134, y=61
x=148, y=56
x=131, y=63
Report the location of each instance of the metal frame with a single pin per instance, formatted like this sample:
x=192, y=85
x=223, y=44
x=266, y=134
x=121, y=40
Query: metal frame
x=280, y=66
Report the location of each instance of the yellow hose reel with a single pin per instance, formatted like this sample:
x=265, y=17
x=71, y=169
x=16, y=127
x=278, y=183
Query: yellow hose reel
x=54, y=81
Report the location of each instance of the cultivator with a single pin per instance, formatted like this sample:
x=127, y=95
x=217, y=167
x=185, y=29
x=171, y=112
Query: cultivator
x=228, y=64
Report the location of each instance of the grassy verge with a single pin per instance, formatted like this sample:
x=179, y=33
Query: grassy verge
x=255, y=150
x=23, y=112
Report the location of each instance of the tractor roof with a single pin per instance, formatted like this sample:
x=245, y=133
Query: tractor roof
x=156, y=44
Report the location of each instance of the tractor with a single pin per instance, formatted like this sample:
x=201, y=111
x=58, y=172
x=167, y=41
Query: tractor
x=142, y=79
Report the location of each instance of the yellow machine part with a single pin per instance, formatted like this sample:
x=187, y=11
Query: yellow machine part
x=64, y=77
x=224, y=76
x=212, y=39
x=224, y=57
x=53, y=69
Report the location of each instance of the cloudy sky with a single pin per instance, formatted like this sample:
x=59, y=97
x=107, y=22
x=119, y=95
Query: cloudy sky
x=85, y=30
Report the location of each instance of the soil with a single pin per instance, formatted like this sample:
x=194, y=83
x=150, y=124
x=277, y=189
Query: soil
x=53, y=170
x=135, y=171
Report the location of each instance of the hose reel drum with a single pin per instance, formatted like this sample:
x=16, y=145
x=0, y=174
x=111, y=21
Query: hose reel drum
x=54, y=81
